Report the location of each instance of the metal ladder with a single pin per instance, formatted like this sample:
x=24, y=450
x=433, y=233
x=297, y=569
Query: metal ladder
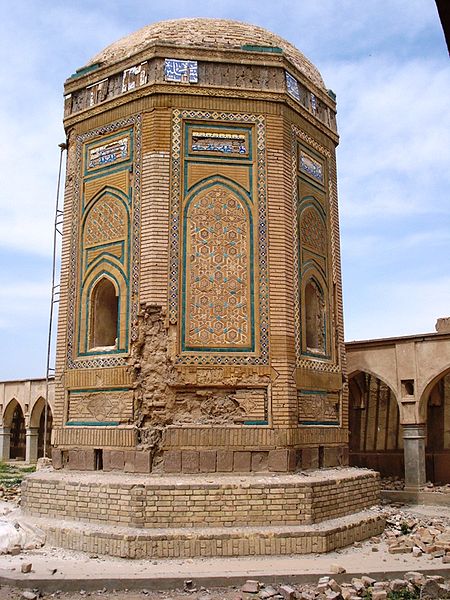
x=55, y=293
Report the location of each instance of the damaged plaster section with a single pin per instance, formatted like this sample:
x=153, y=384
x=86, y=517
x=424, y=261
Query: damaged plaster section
x=153, y=374
x=160, y=396
x=208, y=407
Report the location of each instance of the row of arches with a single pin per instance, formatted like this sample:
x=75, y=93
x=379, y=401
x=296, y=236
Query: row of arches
x=14, y=426
x=102, y=298
x=376, y=431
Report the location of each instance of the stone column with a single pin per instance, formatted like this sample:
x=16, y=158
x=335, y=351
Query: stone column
x=414, y=453
x=5, y=439
x=31, y=447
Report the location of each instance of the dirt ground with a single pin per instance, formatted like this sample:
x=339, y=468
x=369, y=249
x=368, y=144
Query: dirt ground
x=9, y=593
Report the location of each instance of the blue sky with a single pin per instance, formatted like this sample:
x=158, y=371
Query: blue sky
x=385, y=59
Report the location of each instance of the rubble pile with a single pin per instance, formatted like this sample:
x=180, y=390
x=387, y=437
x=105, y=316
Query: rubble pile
x=414, y=585
x=431, y=487
x=392, y=483
x=17, y=535
x=406, y=533
x=398, y=483
x=10, y=493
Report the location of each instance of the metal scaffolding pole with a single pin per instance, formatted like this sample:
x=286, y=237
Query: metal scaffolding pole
x=55, y=293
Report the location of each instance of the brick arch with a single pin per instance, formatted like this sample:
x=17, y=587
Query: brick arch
x=14, y=418
x=37, y=409
x=114, y=273
x=368, y=362
x=37, y=421
x=426, y=389
x=9, y=409
x=312, y=276
x=313, y=226
x=105, y=230
x=376, y=439
x=360, y=368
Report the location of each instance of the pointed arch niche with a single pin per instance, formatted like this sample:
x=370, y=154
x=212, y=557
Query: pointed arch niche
x=104, y=313
x=218, y=295
x=13, y=418
x=104, y=302
x=314, y=308
x=314, y=293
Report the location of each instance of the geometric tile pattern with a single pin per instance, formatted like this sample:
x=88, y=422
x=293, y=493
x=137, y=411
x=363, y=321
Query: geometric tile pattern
x=312, y=231
x=261, y=250
x=217, y=271
x=106, y=221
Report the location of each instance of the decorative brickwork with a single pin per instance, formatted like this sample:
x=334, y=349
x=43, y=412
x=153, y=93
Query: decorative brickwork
x=218, y=305
x=107, y=221
x=101, y=228
x=252, y=281
x=182, y=165
x=187, y=345
x=313, y=232
x=220, y=542
x=91, y=406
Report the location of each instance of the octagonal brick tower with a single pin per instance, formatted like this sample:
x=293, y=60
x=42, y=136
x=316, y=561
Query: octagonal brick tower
x=200, y=324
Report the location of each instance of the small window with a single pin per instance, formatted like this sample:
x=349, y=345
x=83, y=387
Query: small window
x=98, y=459
x=407, y=387
x=104, y=315
x=314, y=318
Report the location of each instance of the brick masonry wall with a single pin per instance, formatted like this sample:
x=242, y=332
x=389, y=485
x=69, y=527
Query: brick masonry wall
x=233, y=542
x=135, y=501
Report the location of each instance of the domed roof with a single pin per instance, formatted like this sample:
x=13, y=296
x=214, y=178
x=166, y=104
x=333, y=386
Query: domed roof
x=218, y=34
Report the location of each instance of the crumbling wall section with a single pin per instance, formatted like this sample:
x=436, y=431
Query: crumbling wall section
x=162, y=396
x=153, y=373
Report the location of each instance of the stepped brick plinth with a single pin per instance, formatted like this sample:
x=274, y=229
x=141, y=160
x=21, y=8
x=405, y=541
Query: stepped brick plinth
x=189, y=515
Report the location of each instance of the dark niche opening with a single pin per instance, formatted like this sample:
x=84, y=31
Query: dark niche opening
x=104, y=315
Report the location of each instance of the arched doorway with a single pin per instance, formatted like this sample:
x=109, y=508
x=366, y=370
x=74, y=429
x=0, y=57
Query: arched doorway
x=42, y=434
x=437, y=449
x=37, y=426
x=376, y=439
x=17, y=431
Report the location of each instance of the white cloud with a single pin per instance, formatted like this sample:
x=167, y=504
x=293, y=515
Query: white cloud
x=23, y=302
x=419, y=303
x=379, y=246
x=395, y=138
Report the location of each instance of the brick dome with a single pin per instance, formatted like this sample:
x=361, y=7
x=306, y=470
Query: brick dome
x=217, y=34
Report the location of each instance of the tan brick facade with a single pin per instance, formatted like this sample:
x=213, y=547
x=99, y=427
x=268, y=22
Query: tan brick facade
x=200, y=344
x=251, y=128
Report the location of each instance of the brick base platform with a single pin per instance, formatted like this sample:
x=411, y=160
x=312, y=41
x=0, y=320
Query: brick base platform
x=128, y=542
x=162, y=516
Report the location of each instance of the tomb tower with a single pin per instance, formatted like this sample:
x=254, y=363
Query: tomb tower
x=200, y=325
